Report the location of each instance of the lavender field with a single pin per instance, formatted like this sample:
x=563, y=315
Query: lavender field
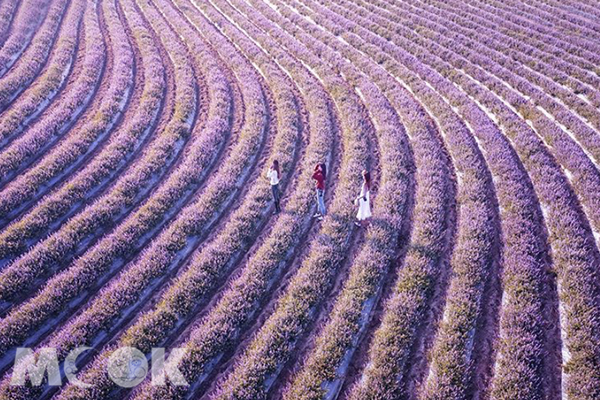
x=135, y=212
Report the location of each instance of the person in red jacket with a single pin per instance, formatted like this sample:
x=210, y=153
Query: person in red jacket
x=319, y=175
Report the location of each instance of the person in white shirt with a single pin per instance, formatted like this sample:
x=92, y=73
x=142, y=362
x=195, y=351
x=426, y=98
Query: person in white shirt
x=363, y=201
x=273, y=176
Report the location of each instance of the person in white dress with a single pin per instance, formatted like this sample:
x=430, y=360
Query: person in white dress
x=363, y=201
x=273, y=176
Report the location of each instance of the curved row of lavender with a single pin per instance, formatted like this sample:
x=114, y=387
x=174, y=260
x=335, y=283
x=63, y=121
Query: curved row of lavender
x=134, y=141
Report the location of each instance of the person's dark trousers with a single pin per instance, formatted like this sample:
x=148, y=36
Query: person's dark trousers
x=275, y=190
